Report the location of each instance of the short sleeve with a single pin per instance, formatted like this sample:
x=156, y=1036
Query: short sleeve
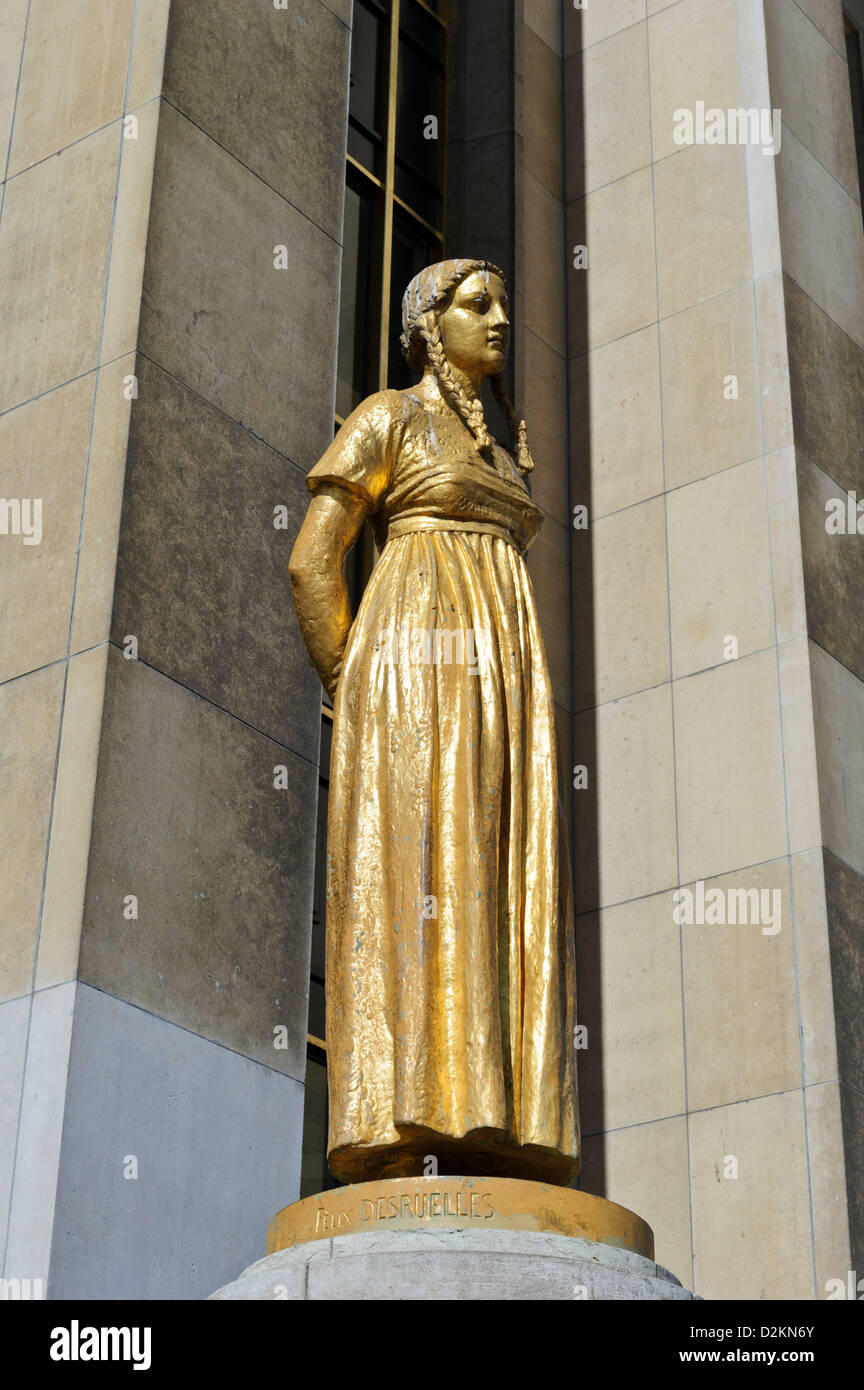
x=362, y=455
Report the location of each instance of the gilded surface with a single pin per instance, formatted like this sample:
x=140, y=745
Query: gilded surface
x=450, y=978
x=417, y=1204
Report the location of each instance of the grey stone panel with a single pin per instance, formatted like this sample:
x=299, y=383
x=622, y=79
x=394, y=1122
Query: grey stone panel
x=187, y=819
x=257, y=341
x=852, y=1116
x=844, y=894
x=14, y=1015
x=454, y=1265
x=271, y=85
x=826, y=375
x=202, y=573
x=833, y=570
x=217, y=1143
x=482, y=58
x=480, y=194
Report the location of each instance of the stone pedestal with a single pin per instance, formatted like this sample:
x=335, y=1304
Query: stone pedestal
x=456, y=1238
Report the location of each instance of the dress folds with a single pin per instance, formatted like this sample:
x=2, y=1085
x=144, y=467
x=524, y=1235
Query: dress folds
x=449, y=949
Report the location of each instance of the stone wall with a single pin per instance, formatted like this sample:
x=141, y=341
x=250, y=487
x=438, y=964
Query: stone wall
x=702, y=351
x=155, y=1032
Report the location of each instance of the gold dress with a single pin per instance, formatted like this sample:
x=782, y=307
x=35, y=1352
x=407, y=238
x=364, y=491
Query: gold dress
x=450, y=977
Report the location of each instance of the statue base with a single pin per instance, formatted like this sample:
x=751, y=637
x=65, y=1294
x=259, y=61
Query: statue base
x=456, y=1238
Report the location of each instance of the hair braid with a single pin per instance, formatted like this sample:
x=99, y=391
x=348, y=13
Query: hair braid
x=518, y=428
x=468, y=406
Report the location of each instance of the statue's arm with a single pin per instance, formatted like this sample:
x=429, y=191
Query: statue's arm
x=330, y=528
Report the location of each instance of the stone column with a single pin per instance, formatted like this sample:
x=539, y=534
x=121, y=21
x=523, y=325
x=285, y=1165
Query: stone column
x=169, y=271
x=715, y=343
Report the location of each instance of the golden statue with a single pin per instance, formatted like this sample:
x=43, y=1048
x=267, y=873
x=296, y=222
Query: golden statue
x=450, y=980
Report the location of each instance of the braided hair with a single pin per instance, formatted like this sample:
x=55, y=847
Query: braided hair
x=422, y=345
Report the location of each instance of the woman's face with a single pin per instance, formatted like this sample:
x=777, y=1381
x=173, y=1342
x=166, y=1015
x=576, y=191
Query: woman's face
x=475, y=326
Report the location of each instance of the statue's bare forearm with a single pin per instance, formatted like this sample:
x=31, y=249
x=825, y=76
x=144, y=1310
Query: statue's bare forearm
x=331, y=527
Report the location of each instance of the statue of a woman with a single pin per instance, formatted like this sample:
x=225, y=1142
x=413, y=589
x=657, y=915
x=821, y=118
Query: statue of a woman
x=450, y=981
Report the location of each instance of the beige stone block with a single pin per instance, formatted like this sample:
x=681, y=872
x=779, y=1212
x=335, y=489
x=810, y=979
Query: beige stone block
x=629, y=972
x=755, y=94
x=543, y=148
x=818, y=1026
x=773, y=362
x=739, y=991
x=822, y=236
x=617, y=293
x=615, y=431
x=705, y=427
x=73, y=78
x=625, y=818
x=644, y=1168
x=828, y=1180
x=13, y=21
x=827, y=15
x=703, y=243
x=148, y=51
x=810, y=84
x=97, y=558
x=545, y=309
x=609, y=132
x=751, y=1233
x=543, y=399
x=548, y=563
x=71, y=819
x=129, y=239
x=786, y=563
x=591, y=25
x=719, y=568
x=544, y=18
x=30, y=709
x=622, y=561
x=694, y=57
x=731, y=806
x=44, y=447
x=52, y=282
x=838, y=708
x=799, y=745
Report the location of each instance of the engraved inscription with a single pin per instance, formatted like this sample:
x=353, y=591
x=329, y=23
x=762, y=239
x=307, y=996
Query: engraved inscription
x=423, y=1205
x=418, y=1206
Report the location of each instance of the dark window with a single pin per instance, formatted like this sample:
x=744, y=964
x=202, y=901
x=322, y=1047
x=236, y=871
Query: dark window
x=367, y=102
x=358, y=303
x=413, y=247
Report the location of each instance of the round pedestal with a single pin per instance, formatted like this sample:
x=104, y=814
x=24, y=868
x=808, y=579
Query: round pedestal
x=456, y=1238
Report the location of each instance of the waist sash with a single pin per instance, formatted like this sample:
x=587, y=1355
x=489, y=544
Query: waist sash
x=410, y=525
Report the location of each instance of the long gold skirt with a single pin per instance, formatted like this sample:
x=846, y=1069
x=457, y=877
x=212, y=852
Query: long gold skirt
x=450, y=954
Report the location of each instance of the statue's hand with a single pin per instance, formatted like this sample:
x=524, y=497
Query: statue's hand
x=333, y=682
